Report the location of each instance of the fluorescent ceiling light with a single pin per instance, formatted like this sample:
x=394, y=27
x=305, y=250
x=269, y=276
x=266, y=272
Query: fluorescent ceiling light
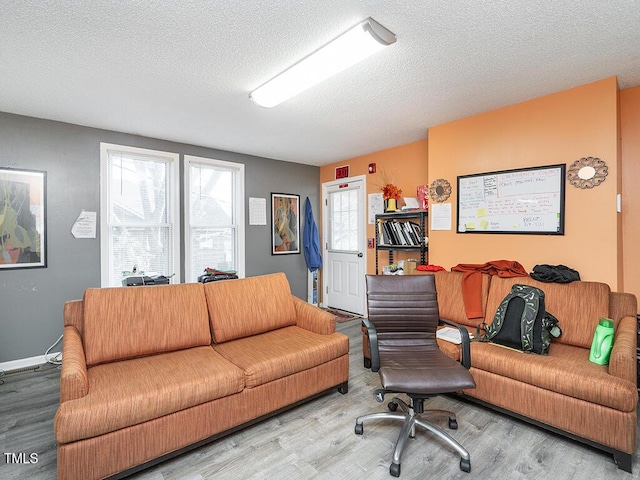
x=351, y=47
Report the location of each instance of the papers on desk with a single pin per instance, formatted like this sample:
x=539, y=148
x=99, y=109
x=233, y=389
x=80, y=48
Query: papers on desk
x=450, y=334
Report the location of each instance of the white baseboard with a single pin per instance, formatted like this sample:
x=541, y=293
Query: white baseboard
x=30, y=362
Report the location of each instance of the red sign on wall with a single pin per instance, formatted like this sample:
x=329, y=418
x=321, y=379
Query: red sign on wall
x=342, y=172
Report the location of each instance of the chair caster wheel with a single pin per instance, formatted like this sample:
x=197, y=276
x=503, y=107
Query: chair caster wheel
x=465, y=465
x=359, y=429
x=453, y=423
x=392, y=406
x=394, y=469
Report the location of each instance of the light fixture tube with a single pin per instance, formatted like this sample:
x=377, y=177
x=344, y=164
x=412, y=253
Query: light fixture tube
x=351, y=47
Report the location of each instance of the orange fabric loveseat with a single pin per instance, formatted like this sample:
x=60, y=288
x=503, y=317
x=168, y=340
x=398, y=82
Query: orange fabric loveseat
x=150, y=371
x=562, y=391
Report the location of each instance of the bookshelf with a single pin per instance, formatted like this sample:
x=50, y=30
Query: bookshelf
x=404, y=231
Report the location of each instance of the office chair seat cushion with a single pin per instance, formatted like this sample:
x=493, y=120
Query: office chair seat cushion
x=428, y=372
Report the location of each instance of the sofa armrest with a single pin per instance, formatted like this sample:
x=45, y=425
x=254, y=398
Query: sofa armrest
x=465, y=352
x=313, y=318
x=623, y=362
x=622, y=305
x=74, y=380
x=73, y=314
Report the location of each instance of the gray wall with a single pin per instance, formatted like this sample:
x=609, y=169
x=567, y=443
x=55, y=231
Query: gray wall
x=31, y=300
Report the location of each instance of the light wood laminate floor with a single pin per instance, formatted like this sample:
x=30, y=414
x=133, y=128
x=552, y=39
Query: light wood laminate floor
x=316, y=440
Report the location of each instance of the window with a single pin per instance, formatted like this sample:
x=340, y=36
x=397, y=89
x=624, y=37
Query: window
x=343, y=223
x=140, y=223
x=140, y=214
x=214, y=213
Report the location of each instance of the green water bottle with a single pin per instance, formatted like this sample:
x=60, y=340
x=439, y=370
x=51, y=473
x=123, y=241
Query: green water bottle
x=602, y=342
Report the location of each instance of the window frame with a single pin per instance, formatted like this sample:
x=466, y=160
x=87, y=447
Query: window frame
x=238, y=210
x=173, y=204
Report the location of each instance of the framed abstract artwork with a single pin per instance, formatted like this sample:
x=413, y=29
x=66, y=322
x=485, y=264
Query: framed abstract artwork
x=22, y=218
x=285, y=223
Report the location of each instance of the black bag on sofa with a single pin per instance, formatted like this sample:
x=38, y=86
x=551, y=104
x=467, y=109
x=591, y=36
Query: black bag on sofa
x=554, y=273
x=521, y=322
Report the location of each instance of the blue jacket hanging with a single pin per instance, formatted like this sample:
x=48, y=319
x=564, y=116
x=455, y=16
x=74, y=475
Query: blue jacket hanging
x=311, y=239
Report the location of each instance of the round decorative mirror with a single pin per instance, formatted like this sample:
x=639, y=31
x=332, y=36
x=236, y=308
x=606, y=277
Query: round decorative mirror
x=440, y=190
x=588, y=172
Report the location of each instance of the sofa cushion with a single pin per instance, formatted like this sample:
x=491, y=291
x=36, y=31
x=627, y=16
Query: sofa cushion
x=249, y=306
x=130, y=392
x=578, y=305
x=279, y=353
x=128, y=322
x=565, y=370
x=451, y=350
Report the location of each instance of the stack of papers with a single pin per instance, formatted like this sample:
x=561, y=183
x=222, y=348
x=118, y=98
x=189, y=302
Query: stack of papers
x=410, y=203
x=450, y=334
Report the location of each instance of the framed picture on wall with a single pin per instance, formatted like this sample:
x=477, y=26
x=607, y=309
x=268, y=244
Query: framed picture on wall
x=285, y=223
x=22, y=218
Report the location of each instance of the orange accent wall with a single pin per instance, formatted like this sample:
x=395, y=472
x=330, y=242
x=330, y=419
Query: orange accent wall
x=557, y=128
x=630, y=133
x=589, y=120
x=408, y=166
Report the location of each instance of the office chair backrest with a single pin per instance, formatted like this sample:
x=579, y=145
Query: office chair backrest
x=403, y=308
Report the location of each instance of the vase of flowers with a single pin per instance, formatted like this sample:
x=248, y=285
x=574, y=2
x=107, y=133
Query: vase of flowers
x=390, y=195
x=390, y=192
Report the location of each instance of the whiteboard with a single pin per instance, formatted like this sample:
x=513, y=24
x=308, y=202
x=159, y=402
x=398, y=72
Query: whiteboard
x=526, y=200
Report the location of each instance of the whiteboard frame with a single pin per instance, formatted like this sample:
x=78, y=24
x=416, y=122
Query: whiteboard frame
x=560, y=167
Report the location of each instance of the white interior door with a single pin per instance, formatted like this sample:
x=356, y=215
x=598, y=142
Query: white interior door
x=344, y=244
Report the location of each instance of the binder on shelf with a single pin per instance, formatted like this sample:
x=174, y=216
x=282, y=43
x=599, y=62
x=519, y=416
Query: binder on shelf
x=390, y=233
x=413, y=240
x=383, y=239
x=407, y=240
x=417, y=231
x=399, y=234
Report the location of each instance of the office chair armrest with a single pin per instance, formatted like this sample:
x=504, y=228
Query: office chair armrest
x=372, y=335
x=465, y=357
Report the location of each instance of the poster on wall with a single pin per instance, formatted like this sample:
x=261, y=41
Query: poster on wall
x=522, y=201
x=376, y=206
x=441, y=216
x=257, y=211
x=22, y=218
x=85, y=225
x=285, y=221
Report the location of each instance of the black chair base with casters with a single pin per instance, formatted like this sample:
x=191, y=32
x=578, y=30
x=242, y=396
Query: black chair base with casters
x=401, y=326
x=413, y=415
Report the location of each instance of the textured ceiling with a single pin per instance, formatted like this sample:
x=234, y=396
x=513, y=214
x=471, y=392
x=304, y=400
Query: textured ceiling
x=183, y=70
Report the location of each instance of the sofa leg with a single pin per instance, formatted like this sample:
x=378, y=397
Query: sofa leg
x=343, y=388
x=623, y=460
x=367, y=362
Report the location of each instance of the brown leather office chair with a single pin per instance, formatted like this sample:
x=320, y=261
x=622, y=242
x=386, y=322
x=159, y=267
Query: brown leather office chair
x=402, y=322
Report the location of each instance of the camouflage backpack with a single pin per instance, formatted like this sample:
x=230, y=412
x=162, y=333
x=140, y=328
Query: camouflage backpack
x=521, y=322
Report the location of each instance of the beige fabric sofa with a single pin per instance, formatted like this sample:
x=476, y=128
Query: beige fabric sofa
x=561, y=391
x=149, y=371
